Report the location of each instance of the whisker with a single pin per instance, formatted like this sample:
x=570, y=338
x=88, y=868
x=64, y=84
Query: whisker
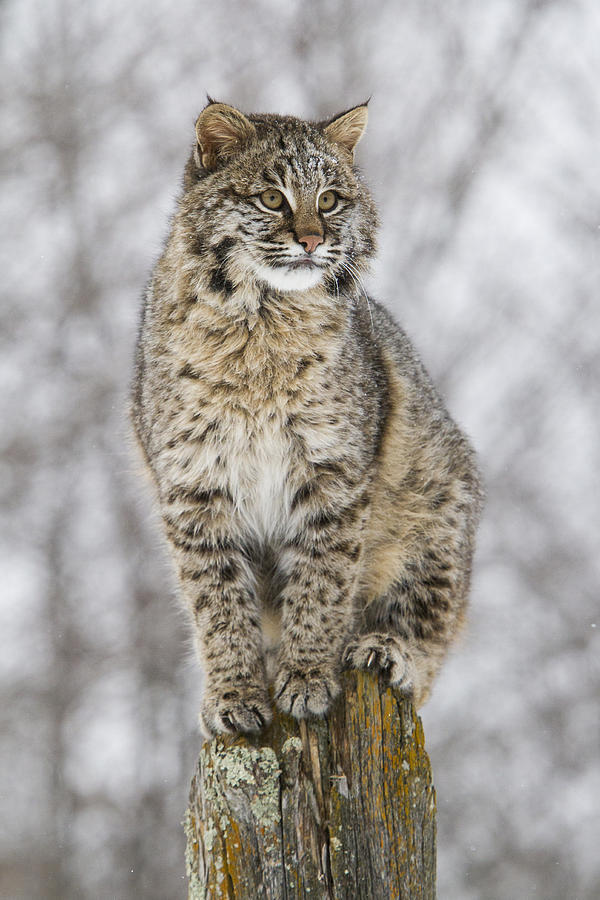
x=353, y=272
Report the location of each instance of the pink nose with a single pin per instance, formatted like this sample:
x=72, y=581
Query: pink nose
x=310, y=241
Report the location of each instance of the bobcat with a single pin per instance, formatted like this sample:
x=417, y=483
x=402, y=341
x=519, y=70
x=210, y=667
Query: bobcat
x=320, y=503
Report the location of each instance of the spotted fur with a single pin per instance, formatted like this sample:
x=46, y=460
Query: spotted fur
x=319, y=502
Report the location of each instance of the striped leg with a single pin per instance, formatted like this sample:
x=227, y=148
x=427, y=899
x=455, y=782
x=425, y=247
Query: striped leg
x=218, y=585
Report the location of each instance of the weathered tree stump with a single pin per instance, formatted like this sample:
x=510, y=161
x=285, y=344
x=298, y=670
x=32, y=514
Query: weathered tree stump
x=337, y=808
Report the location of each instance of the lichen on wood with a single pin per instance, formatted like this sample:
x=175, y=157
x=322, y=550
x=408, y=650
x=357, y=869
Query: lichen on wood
x=341, y=808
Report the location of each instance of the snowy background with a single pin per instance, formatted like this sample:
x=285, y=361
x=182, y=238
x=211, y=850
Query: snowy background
x=483, y=151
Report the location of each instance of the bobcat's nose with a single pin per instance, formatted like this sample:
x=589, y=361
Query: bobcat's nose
x=311, y=242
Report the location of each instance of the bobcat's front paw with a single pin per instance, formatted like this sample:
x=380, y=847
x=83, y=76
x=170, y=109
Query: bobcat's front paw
x=237, y=707
x=385, y=653
x=302, y=694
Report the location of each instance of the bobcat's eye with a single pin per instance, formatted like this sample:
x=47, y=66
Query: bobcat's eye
x=327, y=201
x=272, y=198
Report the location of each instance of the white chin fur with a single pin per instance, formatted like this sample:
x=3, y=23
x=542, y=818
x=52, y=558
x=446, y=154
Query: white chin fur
x=290, y=279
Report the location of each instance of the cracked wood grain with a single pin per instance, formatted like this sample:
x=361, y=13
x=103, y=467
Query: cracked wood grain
x=341, y=808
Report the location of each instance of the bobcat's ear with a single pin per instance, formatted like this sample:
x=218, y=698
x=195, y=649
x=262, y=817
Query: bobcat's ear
x=220, y=131
x=348, y=128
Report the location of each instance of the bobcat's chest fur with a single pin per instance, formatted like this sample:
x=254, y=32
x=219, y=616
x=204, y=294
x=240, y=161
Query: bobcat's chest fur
x=258, y=459
x=255, y=415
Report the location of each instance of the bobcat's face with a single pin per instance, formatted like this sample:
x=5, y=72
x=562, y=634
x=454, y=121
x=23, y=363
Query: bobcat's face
x=284, y=209
x=297, y=216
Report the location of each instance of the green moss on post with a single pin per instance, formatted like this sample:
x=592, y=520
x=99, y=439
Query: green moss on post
x=341, y=808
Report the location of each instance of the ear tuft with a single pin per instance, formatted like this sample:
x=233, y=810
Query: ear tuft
x=348, y=128
x=220, y=131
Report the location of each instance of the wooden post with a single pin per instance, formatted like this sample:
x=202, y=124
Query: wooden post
x=341, y=808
